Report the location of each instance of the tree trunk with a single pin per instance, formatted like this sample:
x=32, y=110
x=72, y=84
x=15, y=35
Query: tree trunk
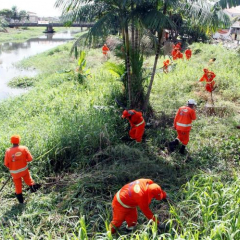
x=128, y=65
x=153, y=72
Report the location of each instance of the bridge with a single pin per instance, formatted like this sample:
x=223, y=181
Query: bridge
x=49, y=26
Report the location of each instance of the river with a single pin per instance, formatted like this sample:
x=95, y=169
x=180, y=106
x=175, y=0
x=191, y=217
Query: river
x=11, y=53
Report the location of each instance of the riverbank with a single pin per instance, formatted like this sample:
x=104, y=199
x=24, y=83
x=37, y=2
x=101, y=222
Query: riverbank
x=23, y=34
x=73, y=130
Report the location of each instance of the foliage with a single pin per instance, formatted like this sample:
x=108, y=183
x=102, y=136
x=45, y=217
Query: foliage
x=73, y=131
x=22, y=82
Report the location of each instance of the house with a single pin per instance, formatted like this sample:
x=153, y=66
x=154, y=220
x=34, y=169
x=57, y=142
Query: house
x=33, y=18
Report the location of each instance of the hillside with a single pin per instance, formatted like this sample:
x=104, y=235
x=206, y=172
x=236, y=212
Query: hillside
x=73, y=131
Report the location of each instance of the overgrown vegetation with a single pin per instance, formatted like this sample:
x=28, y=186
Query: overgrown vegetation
x=73, y=130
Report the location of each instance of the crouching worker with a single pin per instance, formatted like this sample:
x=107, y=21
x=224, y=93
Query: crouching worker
x=135, y=194
x=16, y=160
x=137, y=124
x=183, y=124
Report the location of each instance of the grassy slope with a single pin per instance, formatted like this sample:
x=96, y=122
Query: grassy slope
x=82, y=163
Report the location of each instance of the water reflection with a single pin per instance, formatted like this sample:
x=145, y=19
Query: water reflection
x=11, y=52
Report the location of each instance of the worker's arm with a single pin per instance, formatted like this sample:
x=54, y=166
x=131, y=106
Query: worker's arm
x=202, y=78
x=146, y=210
x=6, y=160
x=175, y=120
x=193, y=115
x=29, y=157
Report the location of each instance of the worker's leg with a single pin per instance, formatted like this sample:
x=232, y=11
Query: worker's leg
x=27, y=179
x=131, y=218
x=18, y=189
x=119, y=214
x=139, y=132
x=18, y=185
x=183, y=137
x=132, y=133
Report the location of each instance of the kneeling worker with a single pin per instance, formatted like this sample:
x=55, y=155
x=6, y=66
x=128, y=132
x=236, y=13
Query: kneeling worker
x=183, y=124
x=16, y=160
x=135, y=194
x=137, y=124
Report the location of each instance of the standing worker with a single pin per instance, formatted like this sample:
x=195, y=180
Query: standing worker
x=137, y=124
x=105, y=50
x=16, y=160
x=188, y=53
x=135, y=194
x=183, y=123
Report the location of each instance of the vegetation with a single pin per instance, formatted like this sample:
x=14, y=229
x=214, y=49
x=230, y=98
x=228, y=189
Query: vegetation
x=135, y=19
x=73, y=129
x=20, y=35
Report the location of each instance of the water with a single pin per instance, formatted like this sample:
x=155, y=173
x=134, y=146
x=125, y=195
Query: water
x=11, y=52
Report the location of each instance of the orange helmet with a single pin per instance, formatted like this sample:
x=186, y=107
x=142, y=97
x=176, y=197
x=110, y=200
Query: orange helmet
x=156, y=192
x=127, y=113
x=15, y=139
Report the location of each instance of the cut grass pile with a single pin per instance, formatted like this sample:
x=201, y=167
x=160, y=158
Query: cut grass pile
x=73, y=131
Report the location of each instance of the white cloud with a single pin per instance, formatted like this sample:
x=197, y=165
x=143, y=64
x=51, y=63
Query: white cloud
x=43, y=8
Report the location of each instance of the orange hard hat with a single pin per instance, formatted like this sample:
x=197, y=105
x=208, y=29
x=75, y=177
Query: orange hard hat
x=127, y=113
x=15, y=139
x=156, y=192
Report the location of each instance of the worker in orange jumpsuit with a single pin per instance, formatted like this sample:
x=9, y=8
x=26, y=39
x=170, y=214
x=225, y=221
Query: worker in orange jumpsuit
x=137, y=124
x=16, y=160
x=188, y=53
x=165, y=66
x=135, y=194
x=178, y=46
x=105, y=50
x=208, y=76
x=183, y=123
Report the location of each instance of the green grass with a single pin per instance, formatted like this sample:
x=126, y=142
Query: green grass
x=73, y=130
x=23, y=34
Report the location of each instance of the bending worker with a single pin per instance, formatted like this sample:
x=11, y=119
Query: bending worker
x=16, y=160
x=135, y=194
x=183, y=123
x=137, y=124
x=208, y=76
x=165, y=65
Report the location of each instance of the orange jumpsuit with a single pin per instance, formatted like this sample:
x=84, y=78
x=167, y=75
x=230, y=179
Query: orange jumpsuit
x=135, y=194
x=188, y=54
x=105, y=49
x=16, y=160
x=137, y=124
x=182, y=123
x=165, y=65
x=178, y=46
x=208, y=77
x=175, y=54
x=179, y=55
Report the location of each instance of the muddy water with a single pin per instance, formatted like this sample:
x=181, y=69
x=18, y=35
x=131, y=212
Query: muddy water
x=11, y=52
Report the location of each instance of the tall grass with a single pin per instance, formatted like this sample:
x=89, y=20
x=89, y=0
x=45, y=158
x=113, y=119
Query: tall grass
x=73, y=130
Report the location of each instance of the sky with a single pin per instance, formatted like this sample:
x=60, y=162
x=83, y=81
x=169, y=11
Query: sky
x=43, y=8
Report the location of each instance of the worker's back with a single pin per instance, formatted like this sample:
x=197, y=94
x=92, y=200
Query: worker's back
x=183, y=118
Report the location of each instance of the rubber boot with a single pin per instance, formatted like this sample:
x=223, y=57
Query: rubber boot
x=35, y=187
x=172, y=145
x=182, y=149
x=20, y=197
